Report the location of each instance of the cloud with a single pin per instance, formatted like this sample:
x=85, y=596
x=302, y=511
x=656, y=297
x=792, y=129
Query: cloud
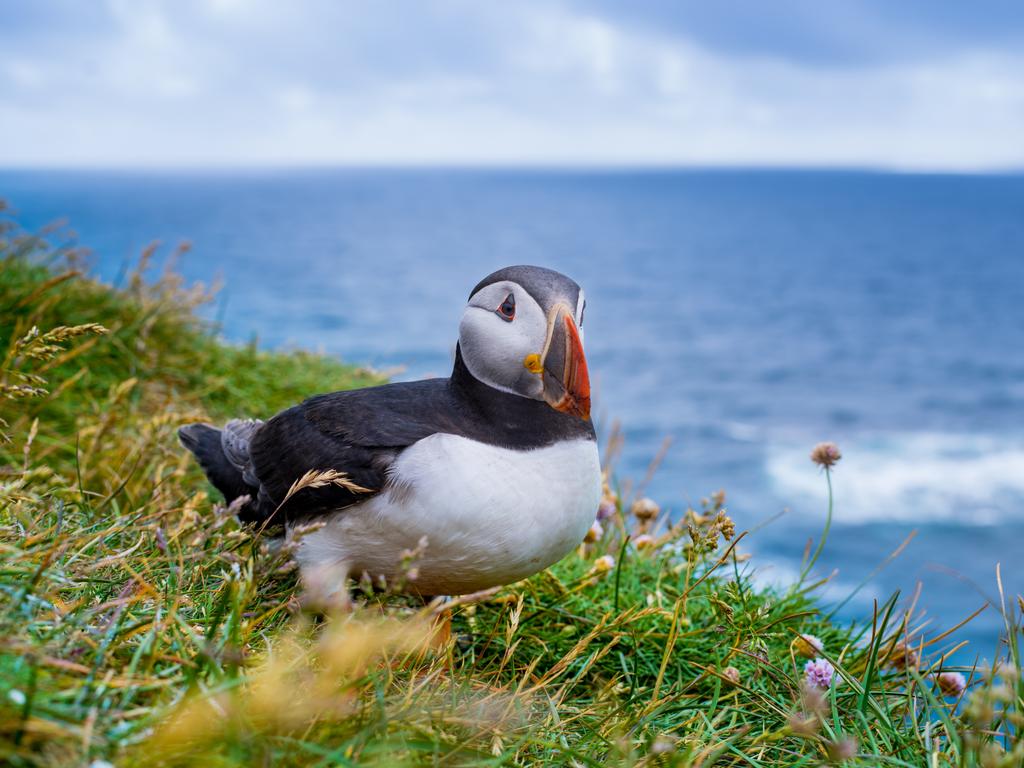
x=841, y=33
x=243, y=82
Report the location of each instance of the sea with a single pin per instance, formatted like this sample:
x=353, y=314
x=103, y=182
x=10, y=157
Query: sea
x=735, y=318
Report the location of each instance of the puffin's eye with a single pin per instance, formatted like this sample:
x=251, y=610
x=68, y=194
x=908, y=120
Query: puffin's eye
x=507, y=310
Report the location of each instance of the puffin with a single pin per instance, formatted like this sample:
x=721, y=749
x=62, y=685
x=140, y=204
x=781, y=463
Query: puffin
x=489, y=475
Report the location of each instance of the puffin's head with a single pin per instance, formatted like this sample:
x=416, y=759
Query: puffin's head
x=522, y=332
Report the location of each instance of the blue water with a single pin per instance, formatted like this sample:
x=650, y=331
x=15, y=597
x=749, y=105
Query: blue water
x=743, y=315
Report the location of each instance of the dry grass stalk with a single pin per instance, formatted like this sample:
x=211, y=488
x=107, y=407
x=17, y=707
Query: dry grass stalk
x=322, y=478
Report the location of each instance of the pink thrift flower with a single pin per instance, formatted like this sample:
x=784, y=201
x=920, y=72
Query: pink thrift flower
x=903, y=656
x=606, y=510
x=826, y=454
x=818, y=674
x=645, y=509
x=951, y=683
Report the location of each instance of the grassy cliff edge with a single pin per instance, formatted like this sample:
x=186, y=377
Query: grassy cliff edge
x=140, y=625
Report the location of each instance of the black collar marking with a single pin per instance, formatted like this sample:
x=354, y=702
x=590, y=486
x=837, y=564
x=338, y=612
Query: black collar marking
x=397, y=415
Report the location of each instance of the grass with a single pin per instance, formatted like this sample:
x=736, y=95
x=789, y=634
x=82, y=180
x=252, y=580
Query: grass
x=141, y=625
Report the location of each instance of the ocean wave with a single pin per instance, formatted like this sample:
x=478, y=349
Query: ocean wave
x=929, y=477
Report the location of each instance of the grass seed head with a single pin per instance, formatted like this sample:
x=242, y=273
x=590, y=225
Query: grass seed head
x=808, y=646
x=841, y=749
x=804, y=725
x=732, y=675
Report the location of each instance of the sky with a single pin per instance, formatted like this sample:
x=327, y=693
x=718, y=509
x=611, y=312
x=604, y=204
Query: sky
x=932, y=85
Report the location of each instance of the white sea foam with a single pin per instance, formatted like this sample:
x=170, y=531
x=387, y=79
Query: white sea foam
x=927, y=477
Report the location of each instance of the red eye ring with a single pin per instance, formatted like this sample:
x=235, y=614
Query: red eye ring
x=507, y=309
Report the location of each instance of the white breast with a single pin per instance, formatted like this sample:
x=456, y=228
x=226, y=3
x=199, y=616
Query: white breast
x=490, y=515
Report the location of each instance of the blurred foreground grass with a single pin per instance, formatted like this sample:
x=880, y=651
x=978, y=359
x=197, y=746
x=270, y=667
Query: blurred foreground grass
x=140, y=625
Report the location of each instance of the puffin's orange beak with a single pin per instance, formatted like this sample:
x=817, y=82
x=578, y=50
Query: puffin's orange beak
x=566, y=379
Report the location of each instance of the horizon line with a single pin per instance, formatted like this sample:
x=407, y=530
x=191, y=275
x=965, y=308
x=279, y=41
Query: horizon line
x=498, y=166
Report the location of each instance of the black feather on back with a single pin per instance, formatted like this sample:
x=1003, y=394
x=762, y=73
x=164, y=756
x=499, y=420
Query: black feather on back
x=360, y=432
x=290, y=445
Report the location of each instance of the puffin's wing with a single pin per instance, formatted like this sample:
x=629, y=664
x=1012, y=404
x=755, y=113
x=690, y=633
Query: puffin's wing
x=389, y=416
x=358, y=432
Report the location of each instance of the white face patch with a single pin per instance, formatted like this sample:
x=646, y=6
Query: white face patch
x=495, y=348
